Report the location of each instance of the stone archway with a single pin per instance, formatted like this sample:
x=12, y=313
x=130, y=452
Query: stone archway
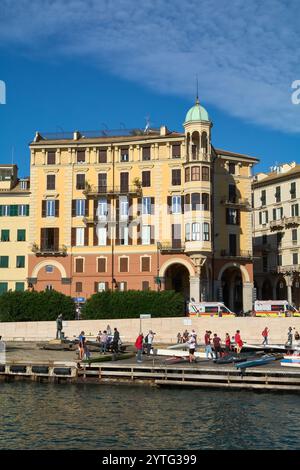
x=177, y=278
x=47, y=262
x=232, y=288
x=281, y=289
x=267, y=290
x=296, y=291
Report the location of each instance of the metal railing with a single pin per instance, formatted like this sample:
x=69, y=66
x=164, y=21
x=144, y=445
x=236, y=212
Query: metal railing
x=241, y=202
x=112, y=190
x=170, y=247
x=49, y=250
x=237, y=254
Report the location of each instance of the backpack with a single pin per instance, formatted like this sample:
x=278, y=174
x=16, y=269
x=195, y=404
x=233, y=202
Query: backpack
x=146, y=339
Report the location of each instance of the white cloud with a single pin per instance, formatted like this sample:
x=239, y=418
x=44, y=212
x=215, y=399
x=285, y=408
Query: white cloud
x=245, y=53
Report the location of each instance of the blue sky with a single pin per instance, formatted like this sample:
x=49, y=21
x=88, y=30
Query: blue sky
x=86, y=64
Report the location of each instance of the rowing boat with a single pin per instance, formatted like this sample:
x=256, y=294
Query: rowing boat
x=258, y=362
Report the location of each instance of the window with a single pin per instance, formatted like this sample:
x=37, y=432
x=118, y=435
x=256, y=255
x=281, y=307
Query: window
x=51, y=158
x=50, y=208
x=20, y=262
x=187, y=232
x=146, y=234
x=176, y=204
x=295, y=258
x=279, y=237
x=23, y=210
x=145, y=285
x=124, y=207
x=279, y=260
x=232, y=217
x=5, y=235
x=176, y=150
x=263, y=197
x=124, y=178
x=80, y=181
x=232, y=244
x=101, y=265
x=101, y=235
x=293, y=190
x=80, y=236
x=80, y=207
x=195, y=231
x=20, y=286
x=49, y=268
x=205, y=173
x=101, y=286
x=125, y=155
x=263, y=217
x=295, y=210
x=205, y=202
x=187, y=174
x=103, y=156
x=146, y=205
x=231, y=168
x=146, y=153
x=123, y=286
x=78, y=287
x=79, y=265
x=206, y=232
x=21, y=235
x=102, y=182
x=5, y=210
x=146, y=179
x=80, y=156
x=50, y=182
x=145, y=265
x=101, y=211
x=232, y=193
x=124, y=235
x=278, y=213
x=49, y=287
x=294, y=235
x=195, y=175
x=195, y=201
x=277, y=194
x=49, y=239
x=4, y=261
x=123, y=265
x=176, y=177
x=24, y=184
x=3, y=287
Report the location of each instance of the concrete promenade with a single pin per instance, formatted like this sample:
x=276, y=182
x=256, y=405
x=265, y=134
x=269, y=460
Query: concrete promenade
x=166, y=328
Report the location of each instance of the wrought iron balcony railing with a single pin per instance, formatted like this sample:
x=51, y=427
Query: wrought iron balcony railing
x=238, y=254
x=91, y=190
x=49, y=250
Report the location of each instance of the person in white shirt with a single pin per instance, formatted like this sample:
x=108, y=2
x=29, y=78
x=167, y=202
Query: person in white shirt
x=149, y=341
x=192, y=346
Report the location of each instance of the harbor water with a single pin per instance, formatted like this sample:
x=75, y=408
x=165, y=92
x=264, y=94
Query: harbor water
x=51, y=416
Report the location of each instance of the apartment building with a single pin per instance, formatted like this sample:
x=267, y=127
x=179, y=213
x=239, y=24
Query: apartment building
x=276, y=221
x=14, y=228
x=142, y=209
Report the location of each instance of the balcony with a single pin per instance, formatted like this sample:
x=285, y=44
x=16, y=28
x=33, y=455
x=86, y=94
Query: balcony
x=238, y=203
x=95, y=219
x=91, y=190
x=169, y=247
x=292, y=221
x=277, y=224
x=49, y=250
x=241, y=254
x=292, y=268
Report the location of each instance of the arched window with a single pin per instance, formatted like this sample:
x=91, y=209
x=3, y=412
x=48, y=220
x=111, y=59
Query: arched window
x=205, y=173
x=205, y=201
x=204, y=141
x=195, y=201
x=195, y=145
x=187, y=174
x=195, y=175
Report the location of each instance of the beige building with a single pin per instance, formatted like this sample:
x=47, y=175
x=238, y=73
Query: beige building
x=276, y=236
x=14, y=229
x=142, y=209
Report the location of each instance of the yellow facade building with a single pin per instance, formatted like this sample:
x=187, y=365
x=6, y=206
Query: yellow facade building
x=14, y=229
x=142, y=209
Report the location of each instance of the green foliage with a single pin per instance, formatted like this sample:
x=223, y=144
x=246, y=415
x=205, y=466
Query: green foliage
x=35, y=306
x=132, y=303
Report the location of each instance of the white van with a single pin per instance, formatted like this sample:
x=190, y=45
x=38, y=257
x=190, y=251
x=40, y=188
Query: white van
x=209, y=309
x=274, y=308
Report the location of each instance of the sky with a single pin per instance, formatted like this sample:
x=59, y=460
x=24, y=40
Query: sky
x=89, y=65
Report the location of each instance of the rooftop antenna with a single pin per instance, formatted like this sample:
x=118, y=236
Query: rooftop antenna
x=147, y=127
x=197, y=90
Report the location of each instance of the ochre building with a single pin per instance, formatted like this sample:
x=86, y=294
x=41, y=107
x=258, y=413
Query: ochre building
x=142, y=209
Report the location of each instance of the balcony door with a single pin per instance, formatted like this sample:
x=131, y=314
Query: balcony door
x=176, y=235
x=50, y=239
x=232, y=244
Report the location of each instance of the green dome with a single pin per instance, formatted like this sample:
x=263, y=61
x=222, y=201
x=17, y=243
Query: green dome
x=197, y=113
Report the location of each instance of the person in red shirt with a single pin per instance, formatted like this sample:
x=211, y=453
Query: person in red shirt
x=238, y=341
x=207, y=340
x=139, y=347
x=265, y=335
x=227, y=343
x=217, y=345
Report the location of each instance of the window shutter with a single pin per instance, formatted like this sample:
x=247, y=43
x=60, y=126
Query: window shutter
x=56, y=238
x=274, y=214
x=86, y=208
x=123, y=265
x=145, y=264
x=139, y=206
x=43, y=208
x=56, y=208
x=152, y=235
x=95, y=287
x=238, y=217
x=108, y=236
x=187, y=202
x=95, y=208
x=169, y=204
x=79, y=265
x=73, y=207
x=260, y=218
x=95, y=237
x=106, y=286
x=182, y=204
x=73, y=236
x=43, y=238
x=152, y=205
x=139, y=234
x=86, y=236
x=101, y=265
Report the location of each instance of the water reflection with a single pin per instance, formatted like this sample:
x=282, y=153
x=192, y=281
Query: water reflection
x=45, y=416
